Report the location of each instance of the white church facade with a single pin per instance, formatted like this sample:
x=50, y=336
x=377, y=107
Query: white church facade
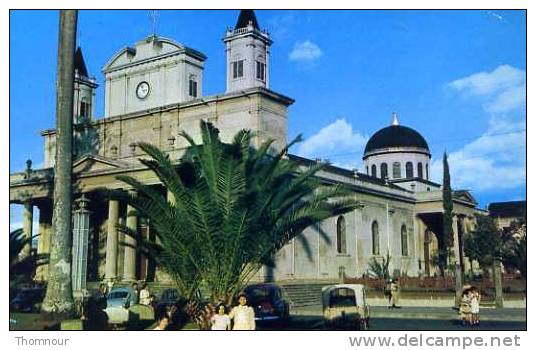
x=154, y=91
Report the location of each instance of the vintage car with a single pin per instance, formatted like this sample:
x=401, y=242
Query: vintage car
x=117, y=304
x=269, y=302
x=345, y=307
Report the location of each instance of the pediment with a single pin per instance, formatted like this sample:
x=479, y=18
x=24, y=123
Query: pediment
x=464, y=196
x=90, y=163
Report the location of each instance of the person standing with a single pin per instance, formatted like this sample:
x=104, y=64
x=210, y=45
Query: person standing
x=242, y=315
x=145, y=295
x=135, y=295
x=475, y=307
x=395, y=294
x=221, y=321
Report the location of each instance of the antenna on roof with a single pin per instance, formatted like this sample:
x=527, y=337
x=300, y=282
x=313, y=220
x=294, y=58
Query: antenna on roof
x=395, y=119
x=153, y=17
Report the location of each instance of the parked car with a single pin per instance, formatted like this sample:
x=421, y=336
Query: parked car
x=120, y=297
x=345, y=306
x=269, y=301
x=28, y=300
x=117, y=304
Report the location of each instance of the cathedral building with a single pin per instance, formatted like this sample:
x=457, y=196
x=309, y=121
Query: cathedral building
x=154, y=91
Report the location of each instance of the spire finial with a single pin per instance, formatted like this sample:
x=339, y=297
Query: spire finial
x=153, y=17
x=395, y=119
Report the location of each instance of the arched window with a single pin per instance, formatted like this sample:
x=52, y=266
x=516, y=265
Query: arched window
x=341, y=235
x=383, y=170
x=367, y=171
x=396, y=170
x=373, y=173
x=192, y=86
x=427, y=175
x=409, y=170
x=419, y=170
x=404, y=240
x=375, y=239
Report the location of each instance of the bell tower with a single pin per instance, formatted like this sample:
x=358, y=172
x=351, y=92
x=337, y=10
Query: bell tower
x=248, y=52
x=84, y=90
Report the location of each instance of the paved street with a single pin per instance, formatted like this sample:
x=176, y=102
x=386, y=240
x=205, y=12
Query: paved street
x=412, y=318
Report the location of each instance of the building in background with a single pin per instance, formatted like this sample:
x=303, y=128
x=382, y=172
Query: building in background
x=153, y=91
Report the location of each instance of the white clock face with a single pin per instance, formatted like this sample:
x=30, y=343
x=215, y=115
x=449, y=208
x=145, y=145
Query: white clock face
x=142, y=90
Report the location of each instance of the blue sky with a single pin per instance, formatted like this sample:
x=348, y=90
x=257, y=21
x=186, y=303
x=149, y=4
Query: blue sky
x=458, y=77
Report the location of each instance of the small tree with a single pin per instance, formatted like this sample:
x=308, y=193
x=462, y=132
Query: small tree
x=485, y=243
x=22, y=268
x=380, y=269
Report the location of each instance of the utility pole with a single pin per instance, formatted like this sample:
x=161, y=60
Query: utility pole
x=59, y=296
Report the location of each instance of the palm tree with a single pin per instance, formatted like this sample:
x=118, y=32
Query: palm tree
x=234, y=207
x=22, y=267
x=58, y=302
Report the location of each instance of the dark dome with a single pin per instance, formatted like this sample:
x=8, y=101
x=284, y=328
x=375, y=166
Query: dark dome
x=396, y=136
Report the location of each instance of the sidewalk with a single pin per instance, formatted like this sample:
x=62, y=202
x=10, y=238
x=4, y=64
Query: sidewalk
x=431, y=313
x=442, y=302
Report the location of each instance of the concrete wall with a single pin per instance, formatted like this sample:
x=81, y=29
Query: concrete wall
x=315, y=256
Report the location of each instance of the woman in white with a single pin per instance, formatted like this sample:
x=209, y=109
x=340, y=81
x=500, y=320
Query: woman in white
x=242, y=315
x=475, y=307
x=145, y=295
x=220, y=321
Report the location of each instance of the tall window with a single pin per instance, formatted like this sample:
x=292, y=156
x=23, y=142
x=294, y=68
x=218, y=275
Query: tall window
x=261, y=71
x=373, y=171
x=375, y=239
x=427, y=177
x=341, y=235
x=404, y=240
x=84, y=108
x=419, y=170
x=383, y=170
x=367, y=171
x=409, y=170
x=192, y=87
x=238, y=69
x=396, y=170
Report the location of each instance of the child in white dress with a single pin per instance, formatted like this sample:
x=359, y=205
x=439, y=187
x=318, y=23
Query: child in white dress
x=220, y=321
x=242, y=315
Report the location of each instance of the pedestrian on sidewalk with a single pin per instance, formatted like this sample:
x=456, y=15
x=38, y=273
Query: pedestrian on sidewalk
x=395, y=294
x=387, y=292
x=465, y=307
x=475, y=307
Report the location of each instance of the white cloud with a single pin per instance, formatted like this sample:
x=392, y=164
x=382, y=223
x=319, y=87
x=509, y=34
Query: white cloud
x=305, y=51
x=336, y=142
x=502, y=79
x=496, y=159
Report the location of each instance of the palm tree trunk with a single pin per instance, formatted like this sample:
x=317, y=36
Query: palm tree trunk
x=59, y=299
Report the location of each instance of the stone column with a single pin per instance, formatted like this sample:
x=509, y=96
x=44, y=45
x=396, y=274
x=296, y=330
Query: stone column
x=27, y=226
x=129, y=265
x=111, y=240
x=43, y=247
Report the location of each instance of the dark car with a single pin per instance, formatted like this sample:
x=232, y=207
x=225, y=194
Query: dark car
x=28, y=300
x=169, y=297
x=269, y=302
